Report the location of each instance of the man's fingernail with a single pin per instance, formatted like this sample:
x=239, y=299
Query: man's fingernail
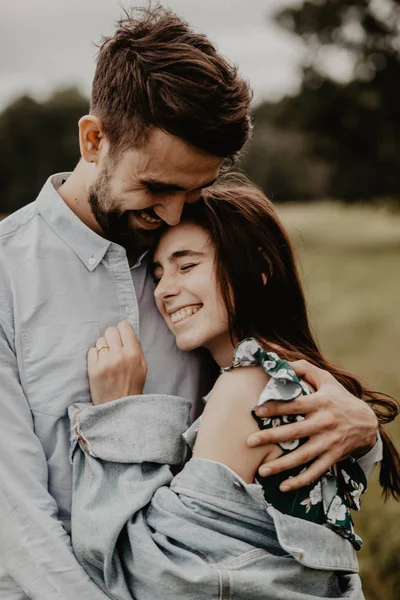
x=253, y=440
x=262, y=411
x=284, y=487
x=265, y=471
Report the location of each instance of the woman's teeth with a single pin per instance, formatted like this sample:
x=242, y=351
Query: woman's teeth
x=148, y=218
x=184, y=313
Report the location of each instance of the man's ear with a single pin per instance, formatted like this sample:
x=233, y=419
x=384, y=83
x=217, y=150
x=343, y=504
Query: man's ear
x=91, y=138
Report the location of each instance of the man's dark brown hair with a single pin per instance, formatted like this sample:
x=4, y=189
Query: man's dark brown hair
x=156, y=71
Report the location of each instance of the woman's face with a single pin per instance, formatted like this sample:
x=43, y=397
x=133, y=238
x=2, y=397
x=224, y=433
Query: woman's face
x=187, y=295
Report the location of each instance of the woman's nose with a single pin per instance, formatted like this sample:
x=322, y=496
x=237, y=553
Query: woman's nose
x=166, y=288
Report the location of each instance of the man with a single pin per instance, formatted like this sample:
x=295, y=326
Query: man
x=166, y=110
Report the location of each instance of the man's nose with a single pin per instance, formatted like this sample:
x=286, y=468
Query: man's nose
x=170, y=210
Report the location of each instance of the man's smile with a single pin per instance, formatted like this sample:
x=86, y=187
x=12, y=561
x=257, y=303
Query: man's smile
x=147, y=219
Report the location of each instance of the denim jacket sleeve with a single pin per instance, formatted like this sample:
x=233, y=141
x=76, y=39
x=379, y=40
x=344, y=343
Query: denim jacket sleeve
x=121, y=454
x=35, y=549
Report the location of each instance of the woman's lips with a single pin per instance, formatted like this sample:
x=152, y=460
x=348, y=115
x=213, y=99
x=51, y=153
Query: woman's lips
x=183, y=314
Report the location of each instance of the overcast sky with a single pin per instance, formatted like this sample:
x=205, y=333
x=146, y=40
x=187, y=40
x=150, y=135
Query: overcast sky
x=50, y=43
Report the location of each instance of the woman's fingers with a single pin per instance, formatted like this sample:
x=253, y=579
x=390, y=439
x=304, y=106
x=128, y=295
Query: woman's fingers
x=101, y=343
x=113, y=339
x=116, y=366
x=128, y=336
x=92, y=358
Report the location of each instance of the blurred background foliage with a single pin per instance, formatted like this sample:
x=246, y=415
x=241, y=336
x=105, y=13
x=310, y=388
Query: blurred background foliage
x=332, y=140
x=350, y=261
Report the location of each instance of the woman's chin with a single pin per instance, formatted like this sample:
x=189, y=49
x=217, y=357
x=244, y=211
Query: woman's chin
x=185, y=344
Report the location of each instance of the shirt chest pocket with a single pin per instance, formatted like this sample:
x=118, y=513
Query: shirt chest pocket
x=53, y=372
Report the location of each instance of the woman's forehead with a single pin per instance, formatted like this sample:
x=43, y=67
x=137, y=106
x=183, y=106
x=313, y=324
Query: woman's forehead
x=182, y=237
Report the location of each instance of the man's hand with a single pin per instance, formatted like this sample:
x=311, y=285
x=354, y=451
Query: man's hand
x=337, y=424
x=116, y=366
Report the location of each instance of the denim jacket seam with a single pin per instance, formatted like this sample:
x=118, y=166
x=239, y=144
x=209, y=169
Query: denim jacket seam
x=83, y=442
x=182, y=489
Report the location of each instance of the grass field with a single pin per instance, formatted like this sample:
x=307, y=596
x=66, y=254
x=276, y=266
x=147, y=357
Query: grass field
x=350, y=265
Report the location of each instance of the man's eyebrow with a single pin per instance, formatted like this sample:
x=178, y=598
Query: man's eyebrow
x=164, y=186
x=178, y=254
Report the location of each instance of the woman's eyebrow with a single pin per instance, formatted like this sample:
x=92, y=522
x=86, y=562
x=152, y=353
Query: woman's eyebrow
x=184, y=253
x=178, y=254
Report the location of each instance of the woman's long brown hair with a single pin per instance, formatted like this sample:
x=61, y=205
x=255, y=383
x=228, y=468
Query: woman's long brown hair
x=261, y=288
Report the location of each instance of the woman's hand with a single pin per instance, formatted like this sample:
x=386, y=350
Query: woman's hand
x=116, y=366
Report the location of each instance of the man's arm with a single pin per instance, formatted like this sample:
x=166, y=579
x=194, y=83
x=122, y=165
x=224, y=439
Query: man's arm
x=34, y=547
x=337, y=424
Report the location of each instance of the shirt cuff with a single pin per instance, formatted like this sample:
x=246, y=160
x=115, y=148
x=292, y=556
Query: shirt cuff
x=135, y=429
x=369, y=461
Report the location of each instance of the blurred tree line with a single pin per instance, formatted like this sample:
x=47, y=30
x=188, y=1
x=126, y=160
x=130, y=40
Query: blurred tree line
x=330, y=140
x=335, y=140
x=36, y=140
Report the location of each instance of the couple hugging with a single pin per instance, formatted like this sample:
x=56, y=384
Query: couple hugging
x=116, y=479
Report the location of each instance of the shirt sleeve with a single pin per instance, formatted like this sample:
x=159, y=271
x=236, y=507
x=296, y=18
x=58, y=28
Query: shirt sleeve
x=121, y=452
x=369, y=460
x=35, y=549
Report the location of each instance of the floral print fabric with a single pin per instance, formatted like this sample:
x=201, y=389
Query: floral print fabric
x=327, y=500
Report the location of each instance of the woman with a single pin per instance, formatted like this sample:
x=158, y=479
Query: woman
x=225, y=281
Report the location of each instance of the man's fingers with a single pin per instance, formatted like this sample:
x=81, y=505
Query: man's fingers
x=299, y=457
x=315, y=470
x=286, y=433
x=301, y=405
x=310, y=373
x=273, y=453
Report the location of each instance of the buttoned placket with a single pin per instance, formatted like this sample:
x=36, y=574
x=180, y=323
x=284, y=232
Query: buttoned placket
x=118, y=266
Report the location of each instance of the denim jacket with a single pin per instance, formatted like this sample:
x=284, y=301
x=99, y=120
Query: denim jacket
x=141, y=533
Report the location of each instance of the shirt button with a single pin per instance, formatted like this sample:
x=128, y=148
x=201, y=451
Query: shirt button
x=238, y=485
x=129, y=309
x=92, y=261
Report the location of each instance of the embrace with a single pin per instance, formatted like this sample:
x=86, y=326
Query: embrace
x=170, y=427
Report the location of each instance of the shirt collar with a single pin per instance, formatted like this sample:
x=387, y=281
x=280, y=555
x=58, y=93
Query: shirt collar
x=87, y=245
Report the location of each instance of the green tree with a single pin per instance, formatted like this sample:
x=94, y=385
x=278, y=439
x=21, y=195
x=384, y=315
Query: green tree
x=351, y=129
x=36, y=140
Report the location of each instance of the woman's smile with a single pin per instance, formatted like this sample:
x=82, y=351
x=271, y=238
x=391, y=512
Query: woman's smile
x=187, y=294
x=183, y=314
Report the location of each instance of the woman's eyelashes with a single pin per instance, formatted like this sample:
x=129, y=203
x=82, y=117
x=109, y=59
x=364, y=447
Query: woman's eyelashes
x=187, y=267
x=182, y=269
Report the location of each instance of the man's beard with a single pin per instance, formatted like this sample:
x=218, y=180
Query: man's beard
x=114, y=224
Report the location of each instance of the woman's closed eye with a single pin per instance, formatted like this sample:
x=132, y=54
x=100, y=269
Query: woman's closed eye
x=182, y=269
x=187, y=267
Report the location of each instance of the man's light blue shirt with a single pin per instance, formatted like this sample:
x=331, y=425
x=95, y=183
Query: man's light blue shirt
x=61, y=286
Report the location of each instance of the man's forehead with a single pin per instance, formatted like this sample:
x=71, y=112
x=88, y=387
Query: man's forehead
x=163, y=155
